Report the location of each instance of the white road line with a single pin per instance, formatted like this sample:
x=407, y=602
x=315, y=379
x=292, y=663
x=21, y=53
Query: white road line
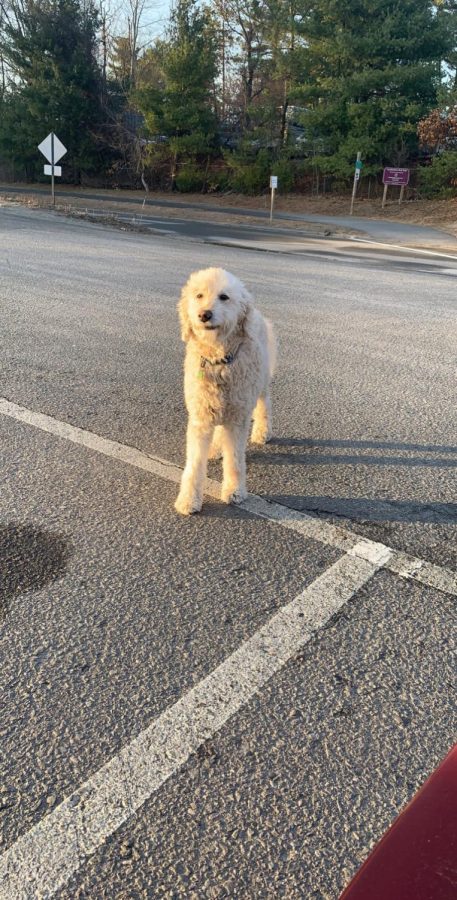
x=42, y=860
x=422, y=252
x=408, y=567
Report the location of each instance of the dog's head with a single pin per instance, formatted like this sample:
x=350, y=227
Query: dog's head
x=214, y=305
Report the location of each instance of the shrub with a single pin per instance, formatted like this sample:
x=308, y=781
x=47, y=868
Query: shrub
x=250, y=174
x=440, y=178
x=190, y=180
x=285, y=171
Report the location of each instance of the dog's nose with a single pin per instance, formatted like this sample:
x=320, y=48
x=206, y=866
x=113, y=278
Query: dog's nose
x=205, y=316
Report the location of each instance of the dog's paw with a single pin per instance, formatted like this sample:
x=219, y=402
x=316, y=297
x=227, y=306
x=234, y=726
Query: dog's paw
x=186, y=505
x=233, y=496
x=260, y=436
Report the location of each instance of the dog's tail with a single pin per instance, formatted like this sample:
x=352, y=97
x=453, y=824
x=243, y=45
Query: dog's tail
x=272, y=347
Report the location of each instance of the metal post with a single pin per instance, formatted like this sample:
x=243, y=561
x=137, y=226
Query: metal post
x=402, y=191
x=384, y=196
x=272, y=204
x=52, y=165
x=356, y=178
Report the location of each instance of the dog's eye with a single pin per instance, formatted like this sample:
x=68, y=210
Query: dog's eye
x=223, y=297
x=199, y=296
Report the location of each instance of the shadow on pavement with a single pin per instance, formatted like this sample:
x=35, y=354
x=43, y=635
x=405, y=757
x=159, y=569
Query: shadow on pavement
x=267, y=456
x=30, y=558
x=368, y=509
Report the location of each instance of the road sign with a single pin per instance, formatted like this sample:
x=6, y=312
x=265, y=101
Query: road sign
x=395, y=176
x=52, y=148
x=392, y=175
x=273, y=181
x=53, y=170
x=358, y=163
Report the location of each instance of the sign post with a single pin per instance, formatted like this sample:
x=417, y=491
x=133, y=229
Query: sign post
x=394, y=176
x=273, y=186
x=357, y=170
x=53, y=150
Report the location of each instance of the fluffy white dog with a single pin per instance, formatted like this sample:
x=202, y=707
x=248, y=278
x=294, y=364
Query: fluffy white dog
x=230, y=358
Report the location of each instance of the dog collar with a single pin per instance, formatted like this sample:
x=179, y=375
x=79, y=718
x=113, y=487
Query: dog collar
x=224, y=361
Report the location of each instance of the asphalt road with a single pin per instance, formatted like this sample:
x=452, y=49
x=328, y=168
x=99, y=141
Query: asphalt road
x=114, y=608
x=387, y=230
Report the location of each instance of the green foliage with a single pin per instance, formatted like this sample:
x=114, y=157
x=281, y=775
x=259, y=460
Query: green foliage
x=51, y=49
x=359, y=75
x=181, y=109
x=218, y=181
x=190, y=179
x=440, y=178
x=286, y=171
x=250, y=171
x=373, y=72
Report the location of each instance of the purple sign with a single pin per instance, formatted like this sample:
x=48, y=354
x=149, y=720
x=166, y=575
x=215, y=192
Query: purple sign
x=395, y=176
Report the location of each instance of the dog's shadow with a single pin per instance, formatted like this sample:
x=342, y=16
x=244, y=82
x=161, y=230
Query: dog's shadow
x=317, y=452
x=324, y=456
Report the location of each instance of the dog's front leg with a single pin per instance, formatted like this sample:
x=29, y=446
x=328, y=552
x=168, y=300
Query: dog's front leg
x=190, y=495
x=261, y=426
x=234, y=463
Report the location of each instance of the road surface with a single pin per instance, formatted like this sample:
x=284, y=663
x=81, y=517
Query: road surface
x=236, y=704
x=384, y=230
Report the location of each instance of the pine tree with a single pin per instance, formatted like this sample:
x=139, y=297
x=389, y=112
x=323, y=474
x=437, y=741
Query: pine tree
x=373, y=70
x=182, y=109
x=51, y=49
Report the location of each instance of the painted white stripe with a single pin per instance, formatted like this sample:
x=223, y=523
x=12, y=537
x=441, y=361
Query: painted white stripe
x=153, y=464
x=43, y=860
x=426, y=573
x=336, y=536
x=421, y=251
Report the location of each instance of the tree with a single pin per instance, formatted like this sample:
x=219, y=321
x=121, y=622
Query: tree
x=373, y=72
x=244, y=26
x=51, y=49
x=180, y=110
x=120, y=61
x=438, y=130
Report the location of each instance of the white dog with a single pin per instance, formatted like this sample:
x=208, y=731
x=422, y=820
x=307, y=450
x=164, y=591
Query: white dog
x=230, y=358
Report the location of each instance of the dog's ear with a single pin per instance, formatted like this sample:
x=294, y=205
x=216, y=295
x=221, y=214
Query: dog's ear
x=186, y=329
x=246, y=307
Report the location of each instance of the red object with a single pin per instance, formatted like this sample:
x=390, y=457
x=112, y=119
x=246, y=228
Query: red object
x=417, y=858
x=395, y=176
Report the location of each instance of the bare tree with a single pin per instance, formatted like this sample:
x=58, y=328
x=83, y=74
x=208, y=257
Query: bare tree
x=244, y=29
x=142, y=19
x=136, y=9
